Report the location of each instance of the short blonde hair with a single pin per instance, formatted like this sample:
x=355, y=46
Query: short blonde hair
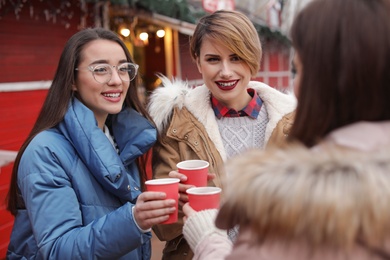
x=233, y=30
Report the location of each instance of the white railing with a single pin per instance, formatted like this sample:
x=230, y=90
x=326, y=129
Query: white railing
x=24, y=86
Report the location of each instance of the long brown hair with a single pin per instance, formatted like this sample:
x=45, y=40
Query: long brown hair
x=344, y=47
x=60, y=94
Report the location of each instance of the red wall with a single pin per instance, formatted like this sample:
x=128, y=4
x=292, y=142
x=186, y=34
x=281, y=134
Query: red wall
x=275, y=66
x=30, y=43
x=19, y=111
x=6, y=219
x=189, y=70
x=30, y=47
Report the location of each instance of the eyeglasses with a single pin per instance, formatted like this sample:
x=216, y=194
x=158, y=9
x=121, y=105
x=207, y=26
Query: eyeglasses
x=102, y=73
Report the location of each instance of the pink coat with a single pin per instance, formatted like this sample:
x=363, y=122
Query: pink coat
x=330, y=202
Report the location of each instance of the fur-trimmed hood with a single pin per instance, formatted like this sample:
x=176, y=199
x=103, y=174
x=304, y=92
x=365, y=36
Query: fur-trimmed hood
x=330, y=196
x=177, y=93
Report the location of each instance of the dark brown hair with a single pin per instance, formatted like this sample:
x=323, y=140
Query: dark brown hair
x=344, y=47
x=60, y=94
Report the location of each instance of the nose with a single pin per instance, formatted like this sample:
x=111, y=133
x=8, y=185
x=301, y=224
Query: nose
x=115, y=78
x=226, y=70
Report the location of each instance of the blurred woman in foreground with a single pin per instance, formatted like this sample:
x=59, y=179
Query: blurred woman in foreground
x=326, y=195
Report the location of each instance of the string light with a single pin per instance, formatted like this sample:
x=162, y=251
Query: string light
x=125, y=32
x=144, y=36
x=160, y=33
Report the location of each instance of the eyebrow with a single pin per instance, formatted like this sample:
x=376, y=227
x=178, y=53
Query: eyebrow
x=217, y=55
x=211, y=55
x=106, y=61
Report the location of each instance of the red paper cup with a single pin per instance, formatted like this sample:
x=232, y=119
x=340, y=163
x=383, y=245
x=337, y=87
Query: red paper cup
x=195, y=170
x=201, y=198
x=171, y=187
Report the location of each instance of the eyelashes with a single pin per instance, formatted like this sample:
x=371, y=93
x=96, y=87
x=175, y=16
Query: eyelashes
x=293, y=70
x=232, y=58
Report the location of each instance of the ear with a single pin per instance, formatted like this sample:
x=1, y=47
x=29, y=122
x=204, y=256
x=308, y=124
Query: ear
x=198, y=65
x=74, y=87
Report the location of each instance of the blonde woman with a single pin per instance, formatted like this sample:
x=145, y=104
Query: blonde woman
x=226, y=116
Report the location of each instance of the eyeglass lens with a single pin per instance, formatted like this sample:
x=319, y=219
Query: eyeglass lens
x=103, y=72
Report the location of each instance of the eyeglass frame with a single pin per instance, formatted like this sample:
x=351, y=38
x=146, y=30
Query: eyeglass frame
x=92, y=68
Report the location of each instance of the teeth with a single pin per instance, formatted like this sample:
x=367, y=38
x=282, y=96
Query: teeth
x=227, y=84
x=112, y=95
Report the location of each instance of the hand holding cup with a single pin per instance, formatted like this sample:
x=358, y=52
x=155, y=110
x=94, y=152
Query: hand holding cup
x=169, y=186
x=183, y=198
x=152, y=208
x=201, y=198
x=196, y=172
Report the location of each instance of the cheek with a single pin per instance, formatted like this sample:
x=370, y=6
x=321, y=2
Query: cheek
x=126, y=89
x=246, y=71
x=208, y=71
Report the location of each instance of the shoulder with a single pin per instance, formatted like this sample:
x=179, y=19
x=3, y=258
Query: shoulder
x=47, y=150
x=51, y=140
x=172, y=94
x=173, y=90
x=274, y=98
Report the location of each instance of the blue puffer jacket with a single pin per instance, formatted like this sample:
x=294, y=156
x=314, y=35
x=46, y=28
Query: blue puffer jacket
x=79, y=193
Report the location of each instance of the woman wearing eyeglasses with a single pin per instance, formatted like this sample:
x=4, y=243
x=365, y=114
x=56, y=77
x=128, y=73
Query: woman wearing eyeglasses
x=77, y=180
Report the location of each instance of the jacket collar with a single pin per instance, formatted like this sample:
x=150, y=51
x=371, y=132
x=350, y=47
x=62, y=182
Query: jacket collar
x=365, y=136
x=134, y=134
x=252, y=109
x=97, y=153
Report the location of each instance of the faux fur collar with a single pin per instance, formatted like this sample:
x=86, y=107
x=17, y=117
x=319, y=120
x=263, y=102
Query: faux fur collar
x=177, y=93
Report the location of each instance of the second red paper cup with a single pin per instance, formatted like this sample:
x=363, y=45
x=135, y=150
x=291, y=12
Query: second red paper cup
x=195, y=170
x=201, y=198
x=169, y=186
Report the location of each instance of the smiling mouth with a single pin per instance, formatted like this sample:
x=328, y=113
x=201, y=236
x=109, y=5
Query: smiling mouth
x=227, y=85
x=112, y=95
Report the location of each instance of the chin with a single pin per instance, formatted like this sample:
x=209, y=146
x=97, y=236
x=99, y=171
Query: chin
x=114, y=111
